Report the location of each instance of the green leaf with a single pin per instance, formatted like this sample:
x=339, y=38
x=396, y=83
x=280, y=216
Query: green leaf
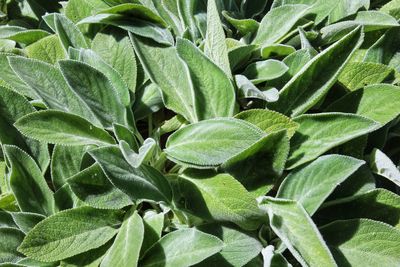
x=153, y=227
x=27, y=182
x=26, y=220
x=115, y=47
x=22, y=35
x=320, y=132
x=93, y=187
x=174, y=82
x=311, y=185
x=67, y=31
x=360, y=74
x=260, y=165
x=214, y=93
x=210, y=143
x=94, y=60
x=239, y=247
x=269, y=121
x=126, y=247
x=384, y=166
x=376, y=102
x=272, y=258
x=248, y=90
x=12, y=80
x=56, y=127
x=65, y=162
x=378, y=204
x=243, y=26
x=140, y=184
x=48, y=49
x=13, y=106
x=183, y=247
x=277, y=50
x=263, y=71
x=361, y=242
x=314, y=80
x=48, y=83
x=10, y=239
x=70, y=232
x=95, y=90
x=278, y=22
x=222, y=198
x=215, y=46
x=294, y=227
x=144, y=154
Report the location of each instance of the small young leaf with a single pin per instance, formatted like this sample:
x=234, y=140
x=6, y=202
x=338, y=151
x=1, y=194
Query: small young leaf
x=384, y=166
x=263, y=71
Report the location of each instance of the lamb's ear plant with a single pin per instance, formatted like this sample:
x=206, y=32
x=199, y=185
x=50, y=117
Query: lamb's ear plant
x=199, y=133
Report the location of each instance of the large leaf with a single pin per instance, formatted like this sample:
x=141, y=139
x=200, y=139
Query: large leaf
x=13, y=106
x=378, y=204
x=376, y=102
x=314, y=80
x=361, y=242
x=320, y=132
x=174, y=82
x=28, y=183
x=294, y=227
x=49, y=84
x=69, y=233
x=215, y=46
x=278, y=22
x=311, y=185
x=126, y=247
x=94, y=88
x=218, y=197
x=10, y=239
x=48, y=49
x=93, y=188
x=269, y=121
x=210, y=143
x=214, y=92
x=143, y=183
x=183, y=247
x=259, y=166
x=56, y=127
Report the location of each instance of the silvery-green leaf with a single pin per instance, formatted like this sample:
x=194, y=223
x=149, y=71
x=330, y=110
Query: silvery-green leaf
x=28, y=183
x=377, y=204
x=69, y=233
x=144, y=154
x=126, y=247
x=94, y=88
x=26, y=220
x=93, y=187
x=384, y=166
x=276, y=50
x=263, y=71
x=174, y=81
x=214, y=92
x=148, y=100
x=273, y=259
x=311, y=185
x=140, y=184
x=224, y=199
x=278, y=22
x=48, y=49
x=184, y=247
x=259, y=166
x=248, y=90
x=315, y=79
x=362, y=242
x=22, y=35
x=376, y=102
x=210, y=143
x=215, y=46
x=10, y=239
x=269, y=121
x=153, y=227
x=318, y=133
x=13, y=106
x=291, y=223
x=244, y=26
x=56, y=127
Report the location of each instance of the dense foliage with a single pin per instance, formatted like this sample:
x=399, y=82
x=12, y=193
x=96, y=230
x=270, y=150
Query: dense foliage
x=193, y=132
